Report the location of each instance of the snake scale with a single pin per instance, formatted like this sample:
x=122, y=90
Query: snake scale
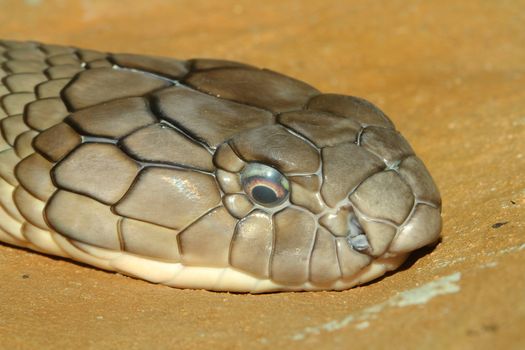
x=203, y=173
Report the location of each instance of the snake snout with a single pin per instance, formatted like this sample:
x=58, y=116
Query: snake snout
x=421, y=228
x=382, y=238
x=391, y=219
x=392, y=212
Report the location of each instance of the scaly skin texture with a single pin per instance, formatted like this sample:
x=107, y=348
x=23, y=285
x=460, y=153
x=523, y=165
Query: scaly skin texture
x=138, y=164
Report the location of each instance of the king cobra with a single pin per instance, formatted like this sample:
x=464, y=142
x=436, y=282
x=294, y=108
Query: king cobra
x=204, y=173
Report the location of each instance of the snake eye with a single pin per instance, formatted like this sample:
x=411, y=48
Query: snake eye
x=264, y=185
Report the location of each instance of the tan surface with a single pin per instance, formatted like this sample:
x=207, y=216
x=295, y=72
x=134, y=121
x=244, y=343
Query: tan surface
x=450, y=74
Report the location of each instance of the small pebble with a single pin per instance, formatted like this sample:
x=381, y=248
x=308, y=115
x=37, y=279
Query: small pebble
x=499, y=224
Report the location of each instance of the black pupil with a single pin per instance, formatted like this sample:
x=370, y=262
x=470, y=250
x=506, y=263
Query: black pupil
x=263, y=194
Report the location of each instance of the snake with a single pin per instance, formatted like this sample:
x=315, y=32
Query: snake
x=204, y=173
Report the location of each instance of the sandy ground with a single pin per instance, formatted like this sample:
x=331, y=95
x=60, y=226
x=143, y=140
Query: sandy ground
x=451, y=74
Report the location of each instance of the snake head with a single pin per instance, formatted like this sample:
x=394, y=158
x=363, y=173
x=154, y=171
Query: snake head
x=330, y=195
x=218, y=175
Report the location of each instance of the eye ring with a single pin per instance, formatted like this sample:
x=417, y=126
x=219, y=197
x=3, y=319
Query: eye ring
x=265, y=185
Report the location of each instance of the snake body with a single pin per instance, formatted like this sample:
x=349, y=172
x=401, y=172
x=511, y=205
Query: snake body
x=203, y=173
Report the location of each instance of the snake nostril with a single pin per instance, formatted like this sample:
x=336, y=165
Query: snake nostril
x=356, y=235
